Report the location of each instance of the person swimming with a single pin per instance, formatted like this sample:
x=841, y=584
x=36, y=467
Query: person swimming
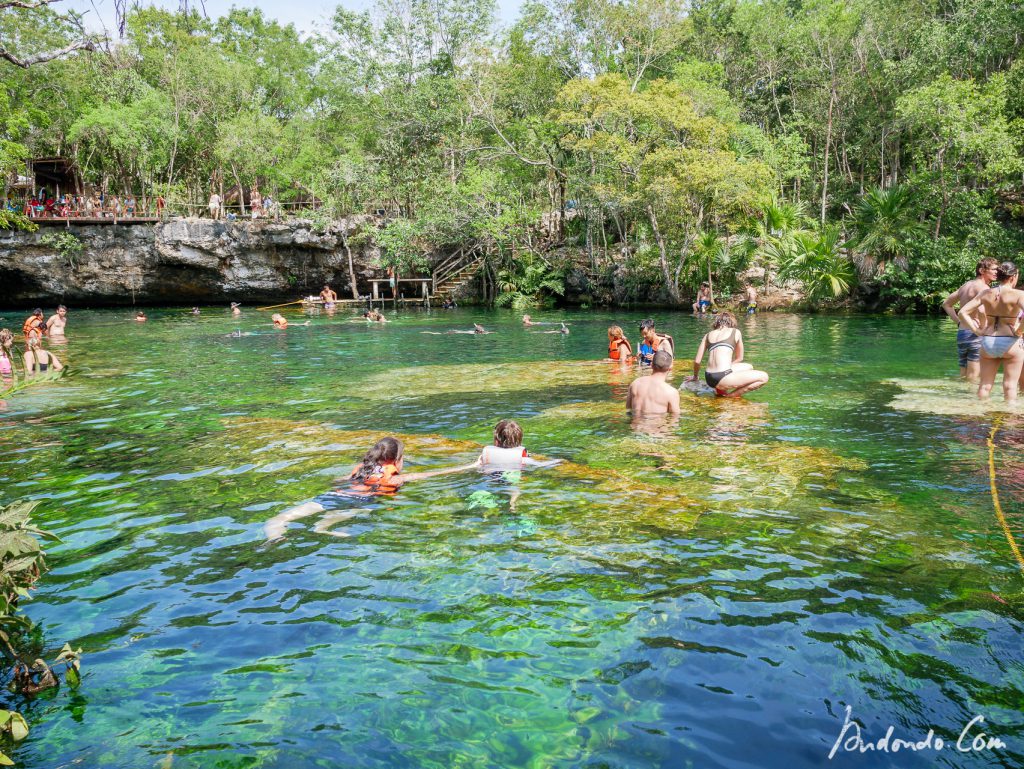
x=477, y=329
x=378, y=473
x=563, y=330
x=236, y=308
x=726, y=373
x=140, y=316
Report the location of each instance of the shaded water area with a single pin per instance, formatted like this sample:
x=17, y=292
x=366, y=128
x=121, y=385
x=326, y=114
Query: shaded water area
x=711, y=593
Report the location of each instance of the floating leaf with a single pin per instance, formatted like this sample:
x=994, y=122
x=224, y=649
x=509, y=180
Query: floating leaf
x=19, y=727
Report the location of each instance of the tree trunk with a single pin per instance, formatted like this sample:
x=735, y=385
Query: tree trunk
x=241, y=192
x=670, y=284
x=828, y=149
x=351, y=267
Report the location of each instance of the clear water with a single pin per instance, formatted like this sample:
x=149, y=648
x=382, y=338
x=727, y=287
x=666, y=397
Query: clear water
x=713, y=593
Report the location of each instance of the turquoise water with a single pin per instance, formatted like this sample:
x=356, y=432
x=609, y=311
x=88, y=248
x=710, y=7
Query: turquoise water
x=709, y=593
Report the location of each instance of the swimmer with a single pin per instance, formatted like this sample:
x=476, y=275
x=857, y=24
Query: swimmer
x=528, y=322
x=704, y=299
x=726, y=372
x=55, y=324
x=279, y=320
x=379, y=473
x=375, y=316
x=140, y=316
x=619, y=349
x=195, y=310
x=236, y=308
x=38, y=360
x=651, y=341
x=968, y=344
x=33, y=325
x=508, y=452
x=995, y=316
x=477, y=329
x=563, y=330
x=652, y=394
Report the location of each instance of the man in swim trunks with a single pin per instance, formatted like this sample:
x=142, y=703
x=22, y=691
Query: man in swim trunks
x=329, y=296
x=751, y=294
x=652, y=394
x=704, y=298
x=968, y=344
x=651, y=341
x=55, y=325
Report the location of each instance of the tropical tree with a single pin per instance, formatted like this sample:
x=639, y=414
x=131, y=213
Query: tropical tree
x=818, y=261
x=886, y=224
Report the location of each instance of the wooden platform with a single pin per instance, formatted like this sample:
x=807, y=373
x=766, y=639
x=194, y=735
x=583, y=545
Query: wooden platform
x=53, y=221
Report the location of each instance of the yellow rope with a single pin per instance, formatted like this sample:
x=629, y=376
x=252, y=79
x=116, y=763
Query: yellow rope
x=995, y=494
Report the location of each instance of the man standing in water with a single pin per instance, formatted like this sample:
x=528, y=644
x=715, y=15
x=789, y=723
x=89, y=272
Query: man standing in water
x=55, y=325
x=328, y=296
x=652, y=394
x=968, y=344
x=651, y=342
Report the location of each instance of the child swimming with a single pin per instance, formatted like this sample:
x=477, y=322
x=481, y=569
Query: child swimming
x=507, y=457
x=379, y=473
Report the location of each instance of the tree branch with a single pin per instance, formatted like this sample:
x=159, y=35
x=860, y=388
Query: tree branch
x=39, y=58
x=26, y=4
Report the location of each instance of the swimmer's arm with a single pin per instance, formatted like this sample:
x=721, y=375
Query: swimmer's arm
x=673, y=402
x=398, y=480
x=541, y=462
x=699, y=356
x=947, y=306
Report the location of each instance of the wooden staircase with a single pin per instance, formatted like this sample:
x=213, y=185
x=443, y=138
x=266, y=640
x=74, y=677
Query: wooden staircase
x=456, y=271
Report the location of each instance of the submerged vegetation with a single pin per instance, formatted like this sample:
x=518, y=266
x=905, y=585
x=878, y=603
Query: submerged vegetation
x=650, y=144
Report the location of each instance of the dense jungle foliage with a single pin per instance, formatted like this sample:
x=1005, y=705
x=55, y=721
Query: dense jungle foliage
x=866, y=146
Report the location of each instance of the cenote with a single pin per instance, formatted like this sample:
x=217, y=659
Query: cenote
x=711, y=594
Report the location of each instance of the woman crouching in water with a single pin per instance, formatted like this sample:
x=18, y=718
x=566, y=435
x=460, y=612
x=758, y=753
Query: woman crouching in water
x=726, y=372
x=379, y=473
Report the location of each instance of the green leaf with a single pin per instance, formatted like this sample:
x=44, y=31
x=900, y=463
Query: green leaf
x=72, y=677
x=5, y=716
x=5, y=761
x=19, y=727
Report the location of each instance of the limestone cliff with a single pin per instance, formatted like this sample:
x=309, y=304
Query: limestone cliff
x=182, y=260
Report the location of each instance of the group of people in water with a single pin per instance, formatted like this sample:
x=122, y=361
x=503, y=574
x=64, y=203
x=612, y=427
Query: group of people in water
x=990, y=322
x=35, y=359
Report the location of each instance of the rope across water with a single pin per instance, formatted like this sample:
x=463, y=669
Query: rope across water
x=995, y=493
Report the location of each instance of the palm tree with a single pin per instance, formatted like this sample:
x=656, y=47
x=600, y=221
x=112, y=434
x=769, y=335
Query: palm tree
x=885, y=224
x=817, y=260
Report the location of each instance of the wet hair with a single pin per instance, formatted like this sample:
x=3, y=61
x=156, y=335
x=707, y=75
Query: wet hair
x=386, y=451
x=615, y=332
x=985, y=264
x=6, y=338
x=724, y=319
x=508, y=434
x=662, y=361
x=1005, y=271
x=61, y=307
x=37, y=311
x=645, y=324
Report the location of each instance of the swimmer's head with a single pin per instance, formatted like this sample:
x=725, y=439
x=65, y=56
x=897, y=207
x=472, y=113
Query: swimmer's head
x=647, y=329
x=6, y=338
x=526, y=319
x=705, y=284
x=988, y=264
x=508, y=434
x=38, y=312
x=662, y=361
x=724, y=319
x=479, y=329
x=62, y=310
x=1006, y=272
x=386, y=451
x=615, y=332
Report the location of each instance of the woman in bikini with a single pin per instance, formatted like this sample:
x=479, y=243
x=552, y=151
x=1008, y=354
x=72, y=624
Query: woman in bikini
x=726, y=372
x=1000, y=308
x=38, y=360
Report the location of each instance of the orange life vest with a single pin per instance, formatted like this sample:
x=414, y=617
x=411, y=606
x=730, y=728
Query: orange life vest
x=615, y=344
x=32, y=324
x=378, y=482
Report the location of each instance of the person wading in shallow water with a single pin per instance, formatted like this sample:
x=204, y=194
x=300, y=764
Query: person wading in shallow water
x=38, y=360
x=652, y=394
x=995, y=315
x=968, y=344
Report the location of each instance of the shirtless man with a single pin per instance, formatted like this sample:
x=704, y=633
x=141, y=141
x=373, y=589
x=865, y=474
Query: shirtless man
x=652, y=394
x=329, y=296
x=968, y=344
x=55, y=325
x=751, y=294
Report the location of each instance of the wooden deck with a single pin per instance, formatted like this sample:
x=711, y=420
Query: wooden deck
x=65, y=221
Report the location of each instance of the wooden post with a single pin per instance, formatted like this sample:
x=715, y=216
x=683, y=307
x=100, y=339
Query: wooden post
x=374, y=291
